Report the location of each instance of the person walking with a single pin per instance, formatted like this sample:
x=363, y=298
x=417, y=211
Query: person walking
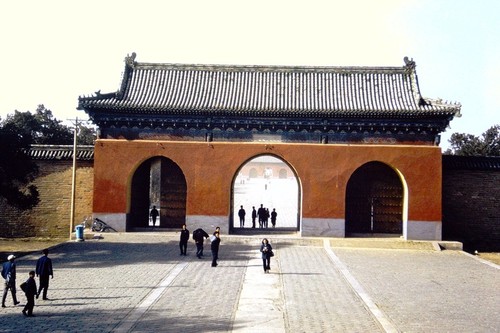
x=9, y=274
x=267, y=252
x=199, y=235
x=183, y=242
x=241, y=214
x=154, y=214
x=30, y=292
x=44, y=270
x=274, y=215
x=254, y=216
x=214, y=246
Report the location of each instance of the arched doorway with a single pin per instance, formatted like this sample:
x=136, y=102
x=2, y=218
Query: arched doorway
x=278, y=191
x=374, y=201
x=157, y=182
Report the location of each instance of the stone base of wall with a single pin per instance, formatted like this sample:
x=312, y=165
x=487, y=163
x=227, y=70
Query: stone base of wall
x=207, y=223
x=118, y=221
x=114, y=220
x=323, y=227
x=423, y=230
x=415, y=230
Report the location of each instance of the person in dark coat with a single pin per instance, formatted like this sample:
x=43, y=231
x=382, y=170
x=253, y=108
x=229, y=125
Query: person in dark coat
x=214, y=246
x=241, y=215
x=266, y=249
x=154, y=214
x=199, y=235
x=274, y=215
x=44, y=270
x=9, y=274
x=261, y=213
x=254, y=216
x=184, y=240
x=30, y=292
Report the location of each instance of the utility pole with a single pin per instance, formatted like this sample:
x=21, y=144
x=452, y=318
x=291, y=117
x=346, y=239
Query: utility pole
x=73, y=180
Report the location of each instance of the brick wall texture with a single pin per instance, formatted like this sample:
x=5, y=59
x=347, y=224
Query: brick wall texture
x=471, y=208
x=51, y=217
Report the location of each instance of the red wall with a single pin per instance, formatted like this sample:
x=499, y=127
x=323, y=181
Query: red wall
x=323, y=171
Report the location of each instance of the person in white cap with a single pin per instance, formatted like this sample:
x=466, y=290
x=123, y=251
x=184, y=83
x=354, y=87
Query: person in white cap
x=9, y=274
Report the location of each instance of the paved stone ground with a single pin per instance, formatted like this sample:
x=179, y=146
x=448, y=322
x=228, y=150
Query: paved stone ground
x=429, y=291
x=137, y=282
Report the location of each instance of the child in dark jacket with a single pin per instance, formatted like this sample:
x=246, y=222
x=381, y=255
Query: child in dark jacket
x=30, y=291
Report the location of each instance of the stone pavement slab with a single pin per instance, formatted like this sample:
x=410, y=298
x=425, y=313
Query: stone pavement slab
x=261, y=303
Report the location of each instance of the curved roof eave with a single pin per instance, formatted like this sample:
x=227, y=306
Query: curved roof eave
x=158, y=89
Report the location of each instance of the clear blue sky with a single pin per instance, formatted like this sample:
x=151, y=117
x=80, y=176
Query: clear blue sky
x=54, y=51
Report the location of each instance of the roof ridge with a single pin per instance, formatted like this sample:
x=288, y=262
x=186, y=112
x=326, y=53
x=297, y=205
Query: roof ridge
x=132, y=64
x=60, y=152
x=267, y=68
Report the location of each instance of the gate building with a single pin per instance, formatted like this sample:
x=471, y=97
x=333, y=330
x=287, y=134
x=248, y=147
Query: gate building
x=361, y=144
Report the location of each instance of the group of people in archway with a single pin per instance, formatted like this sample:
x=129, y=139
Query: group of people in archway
x=262, y=215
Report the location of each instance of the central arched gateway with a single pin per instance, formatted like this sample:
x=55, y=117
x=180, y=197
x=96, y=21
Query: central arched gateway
x=374, y=201
x=157, y=182
x=268, y=182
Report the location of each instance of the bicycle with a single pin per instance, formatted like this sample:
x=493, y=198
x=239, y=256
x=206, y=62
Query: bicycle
x=96, y=225
x=101, y=226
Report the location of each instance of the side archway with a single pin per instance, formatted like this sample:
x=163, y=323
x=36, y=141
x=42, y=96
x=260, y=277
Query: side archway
x=375, y=201
x=158, y=182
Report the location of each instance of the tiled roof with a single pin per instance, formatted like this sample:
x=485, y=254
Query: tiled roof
x=268, y=91
x=454, y=162
x=62, y=152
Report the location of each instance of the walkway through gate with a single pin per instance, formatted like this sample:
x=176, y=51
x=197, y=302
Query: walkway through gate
x=269, y=182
